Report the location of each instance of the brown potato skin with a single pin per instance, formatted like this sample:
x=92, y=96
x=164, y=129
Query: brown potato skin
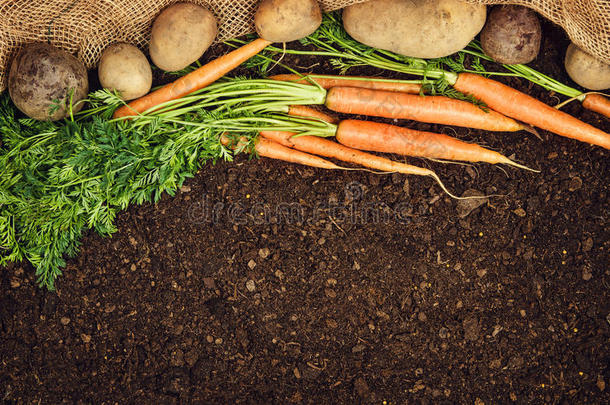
x=180, y=35
x=42, y=76
x=124, y=68
x=287, y=20
x=585, y=70
x=416, y=28
x=511, y=35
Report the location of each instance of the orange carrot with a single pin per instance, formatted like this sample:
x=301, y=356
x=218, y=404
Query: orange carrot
x=267, y=148
x=423, y=144
x=367, y=82
x=193, y=81
x=324, y=147
x=304, y=111
x=327, y=148
x=433, y=109
x=516, y=104
x=598, y=103
x=378, y=137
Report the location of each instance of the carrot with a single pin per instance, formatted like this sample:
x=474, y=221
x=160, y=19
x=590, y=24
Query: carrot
x=268, y=148
x=193, y=81
x=433, y=109
x=516, y=104
x=378, y=137
x=367, y=82
x=391, y=139
x=327, y=148
x=598, y=103
x=304, y=111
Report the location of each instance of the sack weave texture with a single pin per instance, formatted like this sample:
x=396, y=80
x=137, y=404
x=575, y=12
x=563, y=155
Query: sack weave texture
x=85, y=27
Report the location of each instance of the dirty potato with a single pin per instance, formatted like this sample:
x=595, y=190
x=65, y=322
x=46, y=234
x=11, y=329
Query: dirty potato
x=125, y=69
x=287, y=20
x=417, y=28
x=180, y=35
x=44, y=81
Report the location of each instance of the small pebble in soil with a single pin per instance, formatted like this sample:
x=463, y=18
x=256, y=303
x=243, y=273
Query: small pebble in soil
x=15, y=283
x=251, y=264
x=586, y=273
x=250, y=286
x=471, y=328
x=64, y=320
x=209, y=338
x=86, y=338
x=520, y=212
x=481, y=272
x=443, y=333
x=208, y=282
x=575, y=184
x=515, y=362
x=264, y=253
x=465, y=207
x=218, y=341
x=601, y=384
x=358, y=349
x=422, y=317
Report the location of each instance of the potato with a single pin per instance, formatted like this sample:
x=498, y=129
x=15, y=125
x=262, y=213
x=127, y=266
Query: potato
x=125, y=69
x=180, y=35
x=417, y=28
x=44, y=79
x=287, y=20
x=586, y=70
x=511, y=34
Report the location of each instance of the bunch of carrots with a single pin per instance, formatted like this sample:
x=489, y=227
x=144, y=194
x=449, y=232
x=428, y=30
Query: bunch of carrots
x=506, y=109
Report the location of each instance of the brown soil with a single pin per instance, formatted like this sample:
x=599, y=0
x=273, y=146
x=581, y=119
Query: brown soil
x=265, y=282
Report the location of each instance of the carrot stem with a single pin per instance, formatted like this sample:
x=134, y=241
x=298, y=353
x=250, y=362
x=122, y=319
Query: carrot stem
x=368, y=82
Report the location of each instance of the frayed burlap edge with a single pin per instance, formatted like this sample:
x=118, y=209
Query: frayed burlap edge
x=86, y=27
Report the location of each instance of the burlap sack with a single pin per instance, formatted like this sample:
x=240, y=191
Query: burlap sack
x=86, y=27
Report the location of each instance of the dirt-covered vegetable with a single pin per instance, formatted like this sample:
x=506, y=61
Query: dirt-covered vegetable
x=44, y=81
x=587, y=71
x=180, y=35
x=287, y=20
x=511, y=34
x=125, y=69
x=418, y=28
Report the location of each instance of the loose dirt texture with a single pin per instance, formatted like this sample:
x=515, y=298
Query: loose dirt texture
x=265, y=282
